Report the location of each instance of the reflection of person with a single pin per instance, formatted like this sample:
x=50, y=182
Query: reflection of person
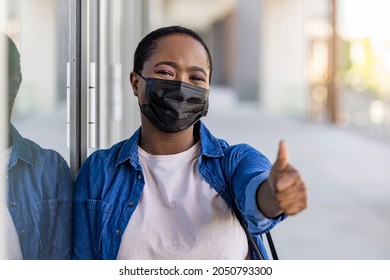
x=39, y=190
x=167, y=192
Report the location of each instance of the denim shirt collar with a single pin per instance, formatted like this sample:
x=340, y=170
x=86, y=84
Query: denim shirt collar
x=129, y=150
x=20, y=149
x=211, y=147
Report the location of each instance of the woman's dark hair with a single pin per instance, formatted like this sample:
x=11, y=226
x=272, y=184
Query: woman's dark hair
x=13, y=55
x=147, y=45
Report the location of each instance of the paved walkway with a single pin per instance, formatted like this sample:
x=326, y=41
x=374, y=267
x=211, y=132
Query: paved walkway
x=348, y=179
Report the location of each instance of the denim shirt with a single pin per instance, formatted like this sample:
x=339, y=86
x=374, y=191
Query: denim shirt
x=40, y=200
x=109, y=185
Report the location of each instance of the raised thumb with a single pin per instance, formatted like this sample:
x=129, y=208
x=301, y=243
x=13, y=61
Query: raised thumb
x=282, y=157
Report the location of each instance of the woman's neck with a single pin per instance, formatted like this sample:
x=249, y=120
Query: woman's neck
x=157, y=142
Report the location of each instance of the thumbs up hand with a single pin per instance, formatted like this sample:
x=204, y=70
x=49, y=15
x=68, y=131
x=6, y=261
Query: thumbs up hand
x=286, y=184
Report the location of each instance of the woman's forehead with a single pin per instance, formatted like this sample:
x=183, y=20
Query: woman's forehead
x=180, y=46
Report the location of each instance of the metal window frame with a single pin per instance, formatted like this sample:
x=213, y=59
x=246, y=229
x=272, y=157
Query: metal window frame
x=4, y=128
x=90, y=26
x=77, y=81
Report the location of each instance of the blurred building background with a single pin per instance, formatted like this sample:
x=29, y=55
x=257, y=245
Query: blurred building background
x=304, y=64
x=314, y=59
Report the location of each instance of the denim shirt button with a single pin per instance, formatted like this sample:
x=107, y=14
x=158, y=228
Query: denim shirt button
x=12, y=204
x=130, y=204
x=139, y=176
x=118, y=232
x=22, y=232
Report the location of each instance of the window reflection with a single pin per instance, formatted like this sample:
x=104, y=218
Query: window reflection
x=38, y=202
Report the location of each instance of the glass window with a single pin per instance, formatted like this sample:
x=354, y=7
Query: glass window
x=37, y=223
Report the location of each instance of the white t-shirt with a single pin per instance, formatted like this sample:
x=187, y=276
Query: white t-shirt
x=180, y=216
x=12, y=246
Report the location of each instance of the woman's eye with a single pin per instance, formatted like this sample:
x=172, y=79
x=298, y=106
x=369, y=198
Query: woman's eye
x=164, y=73
x=198, y=78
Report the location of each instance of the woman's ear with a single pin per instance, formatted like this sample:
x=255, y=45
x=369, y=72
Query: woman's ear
x=134, y=82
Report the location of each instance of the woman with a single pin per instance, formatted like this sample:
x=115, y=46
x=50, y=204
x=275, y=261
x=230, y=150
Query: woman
x=173, y=190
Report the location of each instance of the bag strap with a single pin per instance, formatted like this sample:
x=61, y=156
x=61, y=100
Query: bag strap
x=251, y=240
x=272, y=246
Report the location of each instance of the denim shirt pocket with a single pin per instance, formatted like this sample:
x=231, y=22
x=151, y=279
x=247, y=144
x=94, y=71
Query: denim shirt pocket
x=44, y=216
x=99, y=212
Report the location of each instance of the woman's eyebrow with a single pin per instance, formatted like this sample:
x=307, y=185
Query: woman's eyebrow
x=176, y=66
x=169, y=63
x=197, y=68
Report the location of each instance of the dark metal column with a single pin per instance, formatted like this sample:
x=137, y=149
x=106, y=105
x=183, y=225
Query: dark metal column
x=77, y=81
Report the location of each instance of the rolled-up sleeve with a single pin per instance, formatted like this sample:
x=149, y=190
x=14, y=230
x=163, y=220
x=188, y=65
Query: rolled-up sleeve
x=252, y=169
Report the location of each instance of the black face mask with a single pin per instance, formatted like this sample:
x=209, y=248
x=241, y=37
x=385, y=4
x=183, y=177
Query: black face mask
x=173, y=106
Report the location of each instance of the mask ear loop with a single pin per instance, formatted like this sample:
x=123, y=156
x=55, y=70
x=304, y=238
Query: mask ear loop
x=136, y=89
x=139, y=74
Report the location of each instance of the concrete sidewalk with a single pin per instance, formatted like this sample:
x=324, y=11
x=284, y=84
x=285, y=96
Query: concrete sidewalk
x=347, y=175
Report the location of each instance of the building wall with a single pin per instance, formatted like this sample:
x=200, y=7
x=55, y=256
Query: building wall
x=283, y=57
x=222, y=43
x=247, y=76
